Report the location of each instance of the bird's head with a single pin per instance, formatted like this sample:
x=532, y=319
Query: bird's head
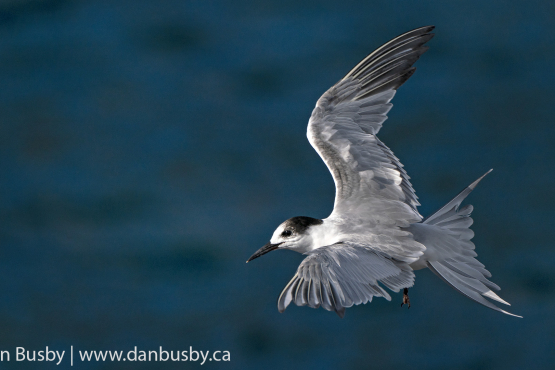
x=292, y=234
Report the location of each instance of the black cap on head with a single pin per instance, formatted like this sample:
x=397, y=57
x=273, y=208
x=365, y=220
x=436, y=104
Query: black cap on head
x=300, y=223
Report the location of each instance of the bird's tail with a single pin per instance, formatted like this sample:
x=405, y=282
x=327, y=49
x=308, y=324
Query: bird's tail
x=447, y=233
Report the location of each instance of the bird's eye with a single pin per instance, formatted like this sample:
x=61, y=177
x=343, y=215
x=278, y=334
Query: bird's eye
x=286, y=233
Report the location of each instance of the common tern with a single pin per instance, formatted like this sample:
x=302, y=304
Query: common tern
x=375, y=233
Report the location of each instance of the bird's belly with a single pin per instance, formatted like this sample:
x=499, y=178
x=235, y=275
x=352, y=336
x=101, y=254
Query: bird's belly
x=419, y=264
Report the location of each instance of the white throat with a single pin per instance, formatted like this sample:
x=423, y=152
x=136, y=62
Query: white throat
x=321, y=235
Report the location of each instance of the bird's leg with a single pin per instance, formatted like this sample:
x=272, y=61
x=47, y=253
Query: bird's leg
x=406, y=299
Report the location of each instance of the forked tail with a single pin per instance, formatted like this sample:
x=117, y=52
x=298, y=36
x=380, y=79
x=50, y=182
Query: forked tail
x=446, y=235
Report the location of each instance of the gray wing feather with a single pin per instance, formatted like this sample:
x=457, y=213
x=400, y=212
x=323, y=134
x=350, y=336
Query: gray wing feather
x=344, y=274
x=346, y=119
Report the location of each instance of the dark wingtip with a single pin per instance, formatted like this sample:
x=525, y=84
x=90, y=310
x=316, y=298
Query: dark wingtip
x=420, y=31
x=340, y=312
x=424, y=29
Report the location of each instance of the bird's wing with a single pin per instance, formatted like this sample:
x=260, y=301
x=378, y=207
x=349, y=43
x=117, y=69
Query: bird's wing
x=369, y=179
x=340, y=275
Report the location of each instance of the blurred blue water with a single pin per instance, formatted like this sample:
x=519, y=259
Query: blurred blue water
x=148, y=148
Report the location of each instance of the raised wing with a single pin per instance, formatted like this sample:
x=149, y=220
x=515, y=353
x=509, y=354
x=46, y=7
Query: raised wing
x=343, y=274
x=369, y=179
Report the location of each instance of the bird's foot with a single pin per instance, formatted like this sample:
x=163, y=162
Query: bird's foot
x=406, y=299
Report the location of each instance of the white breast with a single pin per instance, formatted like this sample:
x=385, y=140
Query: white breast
x=325, y=234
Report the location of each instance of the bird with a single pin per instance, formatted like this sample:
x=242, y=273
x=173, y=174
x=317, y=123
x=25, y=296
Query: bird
x=375, y=238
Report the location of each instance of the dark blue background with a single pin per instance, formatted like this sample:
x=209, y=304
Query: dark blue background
x=147, y=148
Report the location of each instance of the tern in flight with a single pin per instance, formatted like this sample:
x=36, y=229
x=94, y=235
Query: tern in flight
x=375, y=233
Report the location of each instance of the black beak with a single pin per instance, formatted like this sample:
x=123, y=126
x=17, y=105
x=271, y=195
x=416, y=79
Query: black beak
x=265, y=249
